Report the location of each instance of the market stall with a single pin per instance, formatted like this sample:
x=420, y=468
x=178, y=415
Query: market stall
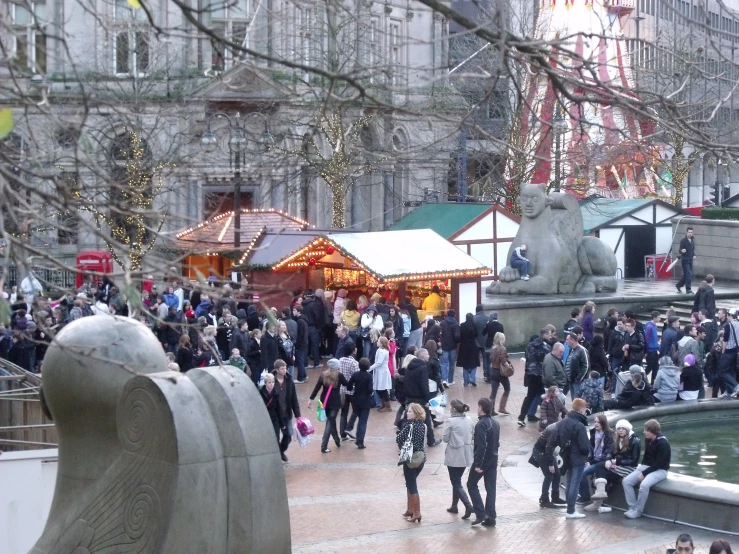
x=394, y=264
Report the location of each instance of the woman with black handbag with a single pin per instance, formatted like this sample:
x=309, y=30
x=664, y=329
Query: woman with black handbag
x=410, y=440
x=500, y=371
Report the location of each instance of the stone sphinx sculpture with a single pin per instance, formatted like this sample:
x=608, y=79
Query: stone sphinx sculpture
x=562, y=260
x=152, y=461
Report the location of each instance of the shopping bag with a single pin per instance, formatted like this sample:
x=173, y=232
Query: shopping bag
x=261, y=378
x=303, y=440
x=435, y=402
x=305, y=427
x=406, y=451
x=321, y=412
x=442, y=402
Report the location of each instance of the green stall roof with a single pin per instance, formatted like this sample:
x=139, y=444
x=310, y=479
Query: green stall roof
x=445, y=218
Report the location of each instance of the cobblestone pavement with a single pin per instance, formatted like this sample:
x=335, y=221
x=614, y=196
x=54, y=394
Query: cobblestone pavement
x=349, y=501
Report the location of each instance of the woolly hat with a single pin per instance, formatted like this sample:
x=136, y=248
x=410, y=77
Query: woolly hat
x=318, y=293
x=333, y=363
x=189, y=313
x=689, y=360
x=624, y=424
x=342, y=293
x=371, y=307
x=636, y=369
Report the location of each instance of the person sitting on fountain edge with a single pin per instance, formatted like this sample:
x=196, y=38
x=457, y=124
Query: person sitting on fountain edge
x=520, y=262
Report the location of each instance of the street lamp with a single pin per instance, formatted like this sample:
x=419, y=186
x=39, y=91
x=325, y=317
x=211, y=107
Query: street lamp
x=237, y=158
x=559, y=127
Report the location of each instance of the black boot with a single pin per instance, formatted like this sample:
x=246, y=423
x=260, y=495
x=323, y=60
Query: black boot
x=455, y=500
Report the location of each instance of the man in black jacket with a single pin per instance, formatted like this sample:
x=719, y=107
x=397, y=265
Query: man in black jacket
x=315, y=316
x=536, y=351
x=301, y=344
x=449, y=342
x=239, y=338
x=687, y=255
x=578, y=364
x=572, y=438
x=416, y=388
x=653, y=469
x=634, y=346
x=416, y=336
x=288, y=404
x=705, y=297
x=484, y=464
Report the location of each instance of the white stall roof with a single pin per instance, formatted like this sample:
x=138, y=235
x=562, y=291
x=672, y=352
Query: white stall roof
x=389, y=255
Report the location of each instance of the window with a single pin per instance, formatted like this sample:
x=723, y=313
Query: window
x=373, y=47
x=28, y=37
x=131, y=54
x=395, y=44
x=229, y=25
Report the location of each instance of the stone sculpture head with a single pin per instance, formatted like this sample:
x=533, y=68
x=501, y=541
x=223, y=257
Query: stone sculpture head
x=84, y=372
x=533, y=201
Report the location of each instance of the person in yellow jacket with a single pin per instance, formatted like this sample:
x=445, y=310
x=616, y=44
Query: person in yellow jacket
x=434, y=304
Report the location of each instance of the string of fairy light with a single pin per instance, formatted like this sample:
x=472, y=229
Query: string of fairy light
x=337, y=168
x=128, y=224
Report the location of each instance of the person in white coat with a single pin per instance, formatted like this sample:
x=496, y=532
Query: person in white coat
x=370, y=320
x=381, y=374
x=459, y=431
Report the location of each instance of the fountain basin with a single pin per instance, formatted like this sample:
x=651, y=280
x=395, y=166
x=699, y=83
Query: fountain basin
x=684, y=499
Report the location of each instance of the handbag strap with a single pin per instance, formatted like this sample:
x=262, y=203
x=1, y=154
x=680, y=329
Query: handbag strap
x=325, y=400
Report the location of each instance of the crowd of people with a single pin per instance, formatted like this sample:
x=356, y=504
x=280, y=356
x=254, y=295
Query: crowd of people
x=377, y=351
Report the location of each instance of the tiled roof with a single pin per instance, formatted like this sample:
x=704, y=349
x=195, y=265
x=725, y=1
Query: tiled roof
x=217, y=233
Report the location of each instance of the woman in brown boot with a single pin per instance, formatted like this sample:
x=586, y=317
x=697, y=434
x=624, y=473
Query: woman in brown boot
x=415, y=428
x=498, y=357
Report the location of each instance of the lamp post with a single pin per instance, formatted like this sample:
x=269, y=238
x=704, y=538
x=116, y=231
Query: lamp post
x=559, y=127
x=237, y=157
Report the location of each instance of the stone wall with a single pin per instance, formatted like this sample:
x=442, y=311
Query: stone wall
x=715, y=247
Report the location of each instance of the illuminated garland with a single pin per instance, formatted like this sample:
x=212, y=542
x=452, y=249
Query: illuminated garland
x=137, y=197
x=309, y=254
x=342, y=164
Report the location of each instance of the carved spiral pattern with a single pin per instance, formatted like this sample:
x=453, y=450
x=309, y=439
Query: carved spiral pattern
x=136, y=420
x=142, y=513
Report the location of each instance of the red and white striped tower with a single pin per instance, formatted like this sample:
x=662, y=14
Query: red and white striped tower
x=602, y=145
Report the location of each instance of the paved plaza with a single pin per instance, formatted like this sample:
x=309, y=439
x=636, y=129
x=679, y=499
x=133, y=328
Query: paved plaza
x=349, y=501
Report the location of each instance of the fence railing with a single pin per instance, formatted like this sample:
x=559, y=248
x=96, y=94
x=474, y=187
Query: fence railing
x=23, y=424
x=49, y=277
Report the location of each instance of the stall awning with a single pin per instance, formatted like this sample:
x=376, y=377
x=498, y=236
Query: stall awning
x=217, y=234
x=411, y=255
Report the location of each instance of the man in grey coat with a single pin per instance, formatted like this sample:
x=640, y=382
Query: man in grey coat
x=553, y=372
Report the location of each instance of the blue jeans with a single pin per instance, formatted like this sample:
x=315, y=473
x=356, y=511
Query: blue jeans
x=575, y=389
x=534, y=404
x=469, y=375
x=287, y=434
x=314, y=344
x=522, y=266
x=448, y=363
x=363, y=416
x=584, y=485
x=485, y=363
x=630, y=483
x=490, y=476
x=411, y=478
x=574, y=475
x=687, y=277
x=301, y=359
x=366, y=344
x=615, y=368
x=550, y=479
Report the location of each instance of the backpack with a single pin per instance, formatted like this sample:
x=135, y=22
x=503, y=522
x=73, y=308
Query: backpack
x=535, y=354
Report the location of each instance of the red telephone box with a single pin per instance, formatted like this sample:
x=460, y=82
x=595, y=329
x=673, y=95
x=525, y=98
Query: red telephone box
x=96, y=261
